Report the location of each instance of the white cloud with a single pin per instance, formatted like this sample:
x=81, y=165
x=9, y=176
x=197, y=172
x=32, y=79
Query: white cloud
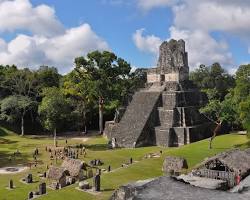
x=58, y=51
x=147, y=5
x=49, y=42
x=21, y=15
x=195, y=20
x=202, y=48
x=149, y=43
x=233, y=70
x=213, y=15
x=3, y=45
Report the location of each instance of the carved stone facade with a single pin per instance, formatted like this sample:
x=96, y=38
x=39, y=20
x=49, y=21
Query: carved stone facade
x=172, y=63
x=166, y=113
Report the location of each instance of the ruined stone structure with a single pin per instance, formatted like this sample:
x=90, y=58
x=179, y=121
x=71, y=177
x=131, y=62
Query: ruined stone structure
x=167, y=112
x=172, y=64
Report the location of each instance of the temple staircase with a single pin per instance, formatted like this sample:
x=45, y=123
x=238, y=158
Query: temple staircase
x=132, y=130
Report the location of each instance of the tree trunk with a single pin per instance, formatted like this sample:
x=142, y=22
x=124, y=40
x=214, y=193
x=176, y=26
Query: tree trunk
x=85, y=124
x=22, y=125
x=85, y=129
x=101, y=102
x=55, y=141
x=100, y=121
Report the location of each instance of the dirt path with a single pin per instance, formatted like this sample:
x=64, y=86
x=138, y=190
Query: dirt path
x=12, y=170
x=83, y=139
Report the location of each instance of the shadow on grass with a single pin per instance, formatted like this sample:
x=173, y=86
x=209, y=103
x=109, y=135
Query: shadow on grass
x=7, y=141
x=108, y=190
x=221, y=148
x=244, y=145
x=3, y=132
x=96, y=147
x=7, y=159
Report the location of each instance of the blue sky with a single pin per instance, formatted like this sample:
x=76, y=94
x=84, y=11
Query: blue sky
x=53, y=32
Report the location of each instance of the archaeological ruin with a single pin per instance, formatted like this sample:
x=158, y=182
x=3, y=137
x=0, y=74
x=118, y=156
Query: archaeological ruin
x=166, y=113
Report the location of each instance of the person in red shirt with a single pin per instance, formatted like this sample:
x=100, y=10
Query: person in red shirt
x=238, y=177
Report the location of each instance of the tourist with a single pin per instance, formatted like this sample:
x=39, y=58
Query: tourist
x=238, y=177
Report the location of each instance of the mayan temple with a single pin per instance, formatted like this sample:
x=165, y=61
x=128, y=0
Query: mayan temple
x=166, y=113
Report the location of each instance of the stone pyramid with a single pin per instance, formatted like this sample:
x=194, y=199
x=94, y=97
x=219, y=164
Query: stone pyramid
x=166, y=113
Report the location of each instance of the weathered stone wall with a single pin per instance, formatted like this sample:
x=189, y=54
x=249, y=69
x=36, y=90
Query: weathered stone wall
x=172, y=63
x=151, y=78
x=172, y=77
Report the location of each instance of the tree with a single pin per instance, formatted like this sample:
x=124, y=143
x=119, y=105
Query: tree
x=228, y=110
x=212, y=110
x=6, y=74
x=82, y=92
x=110, y=76
x=14, y=108
x=213, y=78
x=47, y=77
x=242, y=88
x=244, y=108
x=53, y=110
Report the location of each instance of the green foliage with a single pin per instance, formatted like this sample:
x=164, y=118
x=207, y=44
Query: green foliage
x=244, y=108
x=98, y=74
x=14, y=107
x=214, y=80
x=212, y=109
x=218, y=85
x=54, y=108
x=228, y=96
x=109, y=76
x=82, y=94
x=242, y=89
x=229, y=110
x=47, y=77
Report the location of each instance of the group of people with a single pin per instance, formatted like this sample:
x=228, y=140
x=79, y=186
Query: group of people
x=66, y=152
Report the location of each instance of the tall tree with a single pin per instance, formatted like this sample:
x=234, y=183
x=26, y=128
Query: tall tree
x=109, y=74
x=242, y=95
x=82, y=92
x=53, y=110
x=14, y=108
x=47, y=77
x=213, y=78
x=244, y=109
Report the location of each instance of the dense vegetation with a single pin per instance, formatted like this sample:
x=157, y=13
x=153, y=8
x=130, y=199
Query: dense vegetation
x=228, y=95
x=44, y=99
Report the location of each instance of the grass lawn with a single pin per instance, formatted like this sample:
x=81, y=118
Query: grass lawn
x=96, y=148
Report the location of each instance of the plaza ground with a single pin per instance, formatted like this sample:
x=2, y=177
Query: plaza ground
x=97, y=149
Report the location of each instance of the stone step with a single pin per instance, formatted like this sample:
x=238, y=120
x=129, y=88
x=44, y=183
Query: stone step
x=135, y=118
x=166, y=117
x=162, y=136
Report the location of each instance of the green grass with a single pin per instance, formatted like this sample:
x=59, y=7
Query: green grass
x=96, y=148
